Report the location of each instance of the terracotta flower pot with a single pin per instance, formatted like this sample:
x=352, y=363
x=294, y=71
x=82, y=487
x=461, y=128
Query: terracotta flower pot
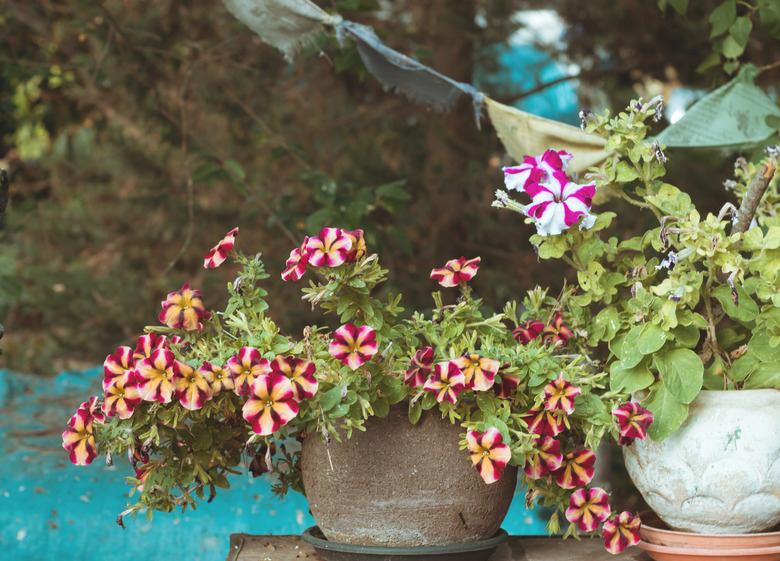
x=720, y=472
x=399, y=484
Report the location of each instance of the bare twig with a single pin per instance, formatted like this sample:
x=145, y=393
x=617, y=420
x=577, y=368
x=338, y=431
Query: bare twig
x=753, y=197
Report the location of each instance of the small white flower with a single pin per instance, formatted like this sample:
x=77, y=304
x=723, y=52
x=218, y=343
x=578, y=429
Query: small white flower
x=559, y=204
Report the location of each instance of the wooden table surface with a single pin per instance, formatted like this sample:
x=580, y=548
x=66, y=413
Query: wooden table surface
x=246, y=547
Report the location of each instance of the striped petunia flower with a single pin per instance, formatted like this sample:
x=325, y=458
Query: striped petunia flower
x=245, y=367
x=456, y=271
x=447, y=381
x=544, y=422
x=560, y=394
x=271, y=403
x=488, y=453
x=121, y=396
x=353, y=346
x=588, y=508
x=558, y=204
x=300, y=373
x=296, y=264
x=217, y=255
x=156, y=377
x=557, y=333
x=359, y=249
x=507, y=386
x=535, y=170
x=576, y=469
x=218, y=377
x=191, y=386
x=184, y=309
x=633, y=420
x=621, y=532
x=548, y=458
x=419, y=367
x=121, y=364
x=479, y=371
x=329, y=249
x=147, y=344
x=79, y=438
x=528, y=331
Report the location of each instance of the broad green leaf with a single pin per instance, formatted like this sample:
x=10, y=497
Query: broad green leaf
x=745, y=310
x=607, y=323
x=235, y=168
x=686, y=335
x=744, y=366
x=331, y=398
x=722, y=17
x=415, y=411
x=668, y=412
x=681, y=371
x=766, y=375
x=760, y=345
x=651, y=339
x=740, y=30
x=381, y=408
x=630, y=379
x=731, y=48
x=630, y=353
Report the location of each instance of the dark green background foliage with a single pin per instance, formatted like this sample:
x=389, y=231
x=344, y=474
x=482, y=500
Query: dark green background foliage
x=136, y=135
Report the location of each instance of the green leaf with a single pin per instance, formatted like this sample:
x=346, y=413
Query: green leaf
x=740, y=30
x=415, y=411
x=331, y=397
x=202, y=439
x=686, y=335
x=681, y=372
x=744, y=366
x=770, y=17
x=731, y=47
x=235, y=168
x=630, y=353
x=393, y=191
x=381, y=408
x=765, y=376
x=668, y=412
x=761, y=345
x=722, y=17
x=651, y=338
x=632, y=379
x=710, y=61
x=746, y=310
x=606, y=323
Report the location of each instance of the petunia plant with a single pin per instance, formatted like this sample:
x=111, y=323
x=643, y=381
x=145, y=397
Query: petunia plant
x=689, y=302
x=210, y=393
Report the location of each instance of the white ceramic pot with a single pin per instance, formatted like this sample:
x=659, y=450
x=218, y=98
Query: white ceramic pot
x=720, y=472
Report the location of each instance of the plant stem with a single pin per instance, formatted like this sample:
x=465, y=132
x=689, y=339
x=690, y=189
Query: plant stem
x=753, y=196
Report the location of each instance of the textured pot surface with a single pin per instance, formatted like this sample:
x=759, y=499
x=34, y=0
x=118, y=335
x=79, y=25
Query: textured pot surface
x=399, y=484
x=720, y=472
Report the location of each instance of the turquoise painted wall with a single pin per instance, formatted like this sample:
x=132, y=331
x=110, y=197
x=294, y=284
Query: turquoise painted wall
x=50, y=509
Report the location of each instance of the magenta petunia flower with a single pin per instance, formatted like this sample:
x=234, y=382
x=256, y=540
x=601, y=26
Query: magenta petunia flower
x=79, y=437
x=507, y=386
x=557, y=333
x=353, y=346
x=184, y=309
x=456, y=271
x=156, y=377
x=621, y=532
x=633, y=420
x=588, y=508
x=576, y=469
x=245, y=368
x=219, y=252
x=535, y=170
x=121, y=396
x=218, y=377
x=359, y=249
x=330, y=249
x=419, y=368
x=528, y=331
x=447, y=381
x=147, y=344
x=544, y=422
x=191, y=386
x=271, y=403
x=548, y=458
x=560, y=395
x=300, y=373
x=488, y=453
x=559, y=203
x=119, y=365
x=479, y=371
x=296, y=264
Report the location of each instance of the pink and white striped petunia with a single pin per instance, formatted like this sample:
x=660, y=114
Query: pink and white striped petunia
x=192, y=388
x=121, y=396
x=245, y=367
x=296, y=264
x=419, y=368
x=560, y=394
x=119, y=365
x=557, y=333
x=147, y=344
x=576, y=469
x=621, y=532
x=548, y=458
x=300, y=373
x=559, y=204
x=588, y=508
x=329, y=249
x=218, y=377
x=488, y=453
x=528, y=331
x=544, y=422
x=217, y=255
x=535, y=170
x=456, y=271
x=155, y=376
x=184, y=309
x=447, y=381
x=508, y=385
x=633, y=420
x=479, y=371
x=359, y=249
x=271, y=403
x=79, y=437
x=353, y=346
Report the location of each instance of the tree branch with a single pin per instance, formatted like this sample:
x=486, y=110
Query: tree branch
x=753, y=197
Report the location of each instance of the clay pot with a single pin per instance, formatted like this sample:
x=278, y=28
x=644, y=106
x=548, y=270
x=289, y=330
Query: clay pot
x=402, y=485
x=720, y=472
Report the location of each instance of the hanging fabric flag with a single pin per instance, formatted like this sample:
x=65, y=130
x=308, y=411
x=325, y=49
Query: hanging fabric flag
x=284, y=24
x=733, y=116
x=524, y=134
x=405, y=75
